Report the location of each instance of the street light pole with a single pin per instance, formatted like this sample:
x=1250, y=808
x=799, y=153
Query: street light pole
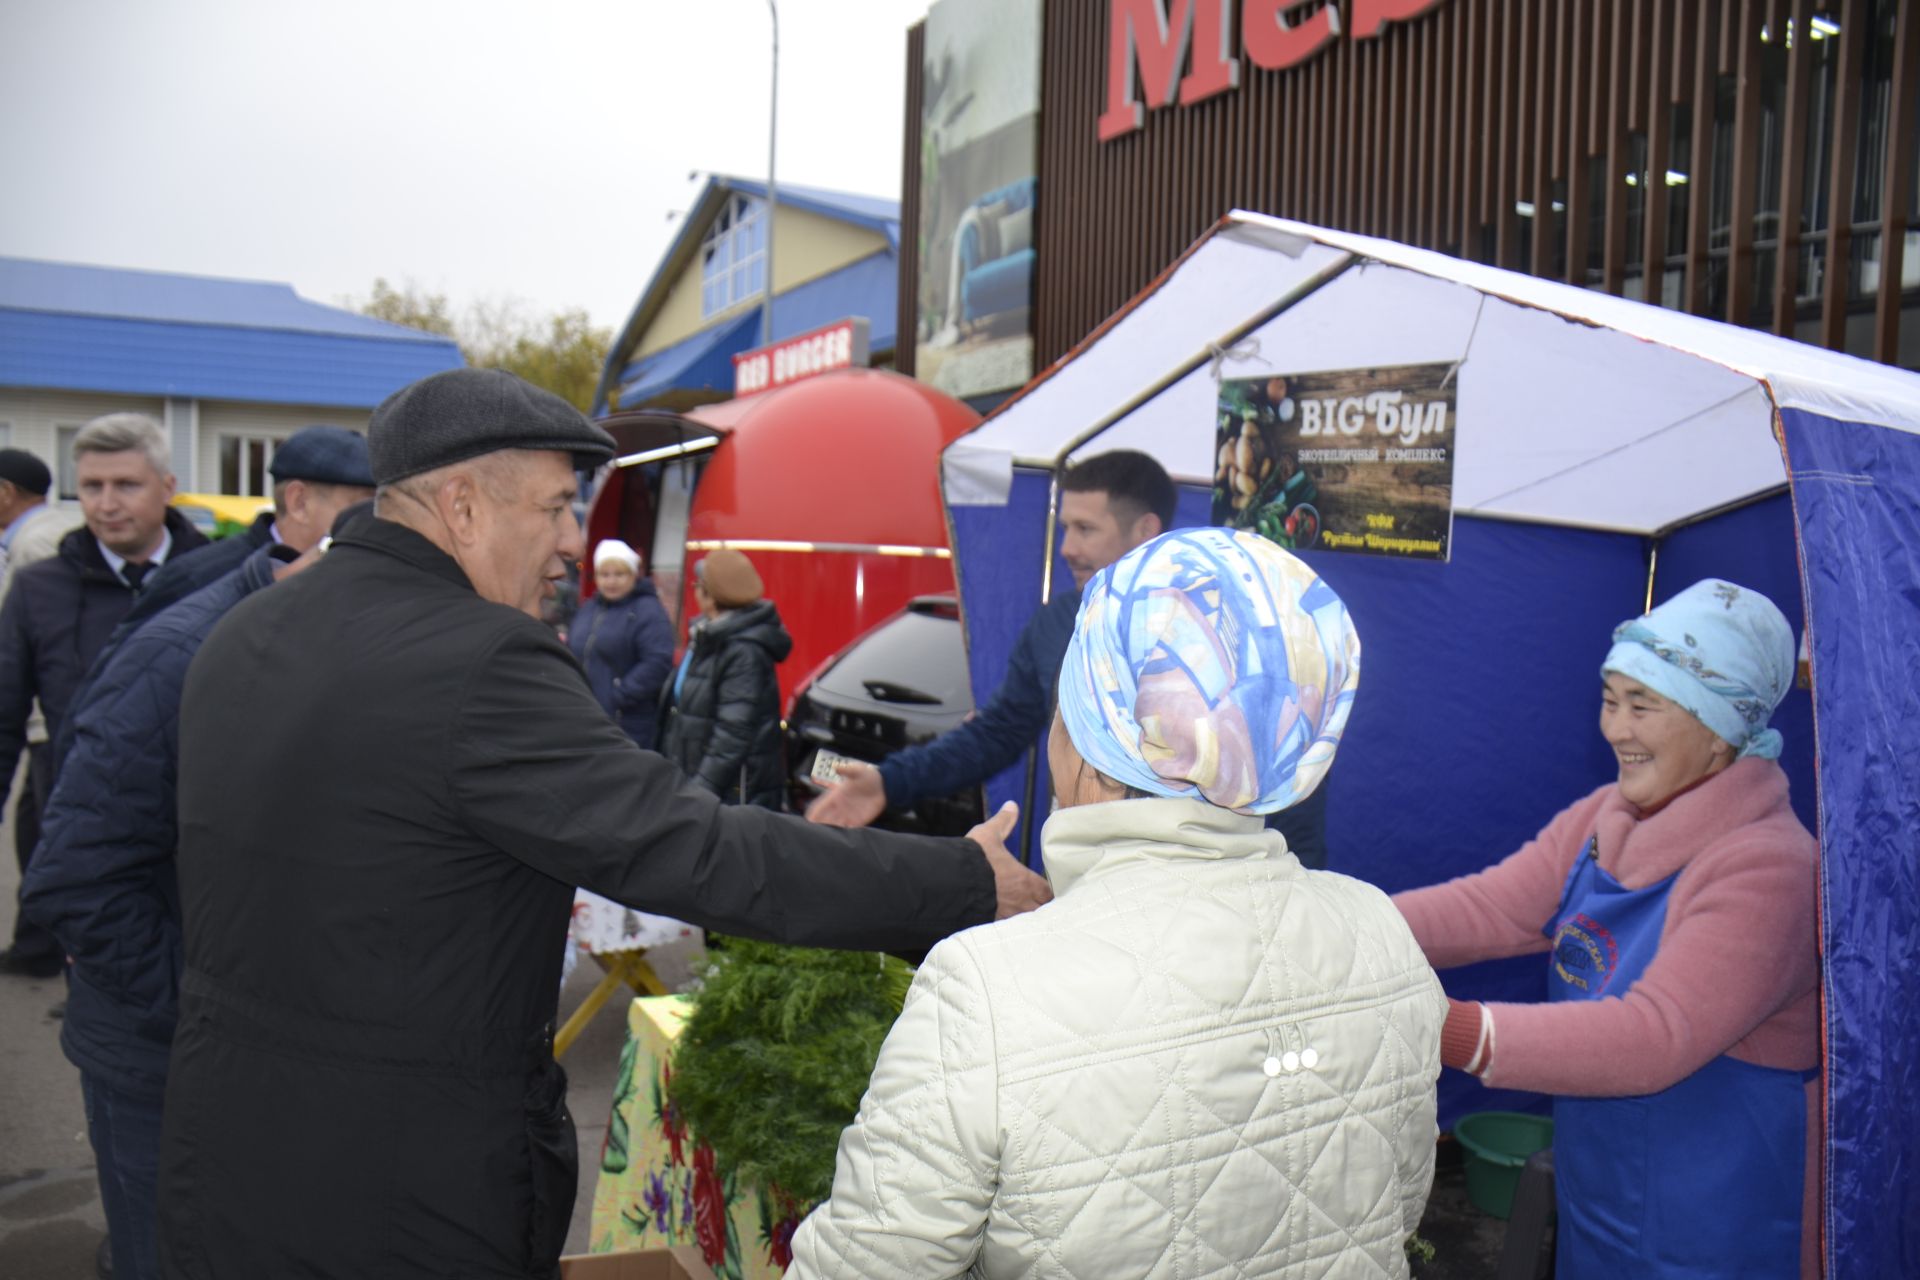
x=773, y=192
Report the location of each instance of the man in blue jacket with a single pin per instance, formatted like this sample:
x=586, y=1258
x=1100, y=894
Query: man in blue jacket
x=1109, y=504
x=102, y=881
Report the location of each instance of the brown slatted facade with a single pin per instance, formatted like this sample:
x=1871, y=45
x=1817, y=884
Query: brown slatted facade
x=1719, y=140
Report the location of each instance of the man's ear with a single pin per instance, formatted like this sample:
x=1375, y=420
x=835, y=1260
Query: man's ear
x=1147, y=528
x=458, y=500
x=294, y=498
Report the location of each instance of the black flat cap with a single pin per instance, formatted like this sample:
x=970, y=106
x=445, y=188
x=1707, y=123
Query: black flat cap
x=323, y=455
x=24, y=471
x=463, y=413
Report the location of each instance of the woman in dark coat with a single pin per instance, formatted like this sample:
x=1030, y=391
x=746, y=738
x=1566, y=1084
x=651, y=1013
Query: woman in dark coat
x=624, y=640
x=722, y=723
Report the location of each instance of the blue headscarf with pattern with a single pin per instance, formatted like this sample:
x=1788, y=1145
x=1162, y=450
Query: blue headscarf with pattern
x=1210, y=663
x=1722, y=652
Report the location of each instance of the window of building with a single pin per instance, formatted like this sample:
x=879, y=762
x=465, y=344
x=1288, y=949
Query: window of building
x=64, y=479
x=6, y=435
x=733, y=258
x=243, y=465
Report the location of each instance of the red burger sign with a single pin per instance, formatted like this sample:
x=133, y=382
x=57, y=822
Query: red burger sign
x=1151, y=42
x=835, y=346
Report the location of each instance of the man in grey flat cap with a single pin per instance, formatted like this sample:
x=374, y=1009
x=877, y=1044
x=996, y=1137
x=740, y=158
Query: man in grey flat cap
x=376, y=888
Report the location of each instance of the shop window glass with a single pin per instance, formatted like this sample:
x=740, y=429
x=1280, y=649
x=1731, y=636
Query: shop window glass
x=733, y=256
x=65, y=478
x=243, y=465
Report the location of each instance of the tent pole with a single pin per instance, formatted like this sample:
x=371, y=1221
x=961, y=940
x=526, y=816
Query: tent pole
x=1046, y=594
x=1653, y=566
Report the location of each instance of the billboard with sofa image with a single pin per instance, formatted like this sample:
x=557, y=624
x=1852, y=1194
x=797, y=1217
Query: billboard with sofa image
x=979, y=129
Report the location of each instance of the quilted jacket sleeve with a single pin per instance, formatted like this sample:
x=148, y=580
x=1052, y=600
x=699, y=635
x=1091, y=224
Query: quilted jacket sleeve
x=745, y=698
x=101, y=879
x=918, y=1167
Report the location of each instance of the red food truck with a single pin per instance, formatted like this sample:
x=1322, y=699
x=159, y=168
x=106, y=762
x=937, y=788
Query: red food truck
x=830, y=485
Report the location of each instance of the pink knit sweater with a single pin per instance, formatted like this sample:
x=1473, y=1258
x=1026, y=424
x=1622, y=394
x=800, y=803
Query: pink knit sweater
x=1736, y=969
x=1736, y=972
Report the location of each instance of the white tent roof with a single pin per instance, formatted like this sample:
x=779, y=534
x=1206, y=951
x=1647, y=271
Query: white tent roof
x=1574, y=407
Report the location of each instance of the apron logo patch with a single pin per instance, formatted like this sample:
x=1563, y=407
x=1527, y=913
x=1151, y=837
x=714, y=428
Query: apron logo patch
x=1585, y=954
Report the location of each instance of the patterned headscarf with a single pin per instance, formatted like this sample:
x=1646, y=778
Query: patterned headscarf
x=1722, y=652
x=1210, y=662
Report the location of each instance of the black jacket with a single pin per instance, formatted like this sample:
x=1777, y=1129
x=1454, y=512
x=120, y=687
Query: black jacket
x=627, y=650
x=56, y=619
x=375, y=893
x=171, y=583
x=723, y=722
x=102, y=878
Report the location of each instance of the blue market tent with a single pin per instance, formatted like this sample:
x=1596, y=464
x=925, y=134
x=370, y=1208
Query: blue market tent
x=1607, y=454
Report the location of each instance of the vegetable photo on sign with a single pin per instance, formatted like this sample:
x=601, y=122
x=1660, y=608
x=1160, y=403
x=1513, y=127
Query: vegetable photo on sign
x=1345, y=460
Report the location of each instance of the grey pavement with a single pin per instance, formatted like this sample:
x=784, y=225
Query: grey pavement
x=51, y=1219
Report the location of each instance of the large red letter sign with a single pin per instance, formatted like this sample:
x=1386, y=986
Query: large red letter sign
x=1371, y=15
x=1201, y=26
x=1274, y=45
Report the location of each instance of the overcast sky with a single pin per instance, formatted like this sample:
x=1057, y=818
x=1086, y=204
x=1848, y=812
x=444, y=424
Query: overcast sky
x=486, y=148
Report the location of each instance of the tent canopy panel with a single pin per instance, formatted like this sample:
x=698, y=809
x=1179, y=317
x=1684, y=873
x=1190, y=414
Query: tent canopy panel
x=1842, y=387
x=1558, y=421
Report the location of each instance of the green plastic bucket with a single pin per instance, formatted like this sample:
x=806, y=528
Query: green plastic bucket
x=1497, y=1144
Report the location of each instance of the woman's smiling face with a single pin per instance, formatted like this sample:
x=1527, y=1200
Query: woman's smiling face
x=1661, y=747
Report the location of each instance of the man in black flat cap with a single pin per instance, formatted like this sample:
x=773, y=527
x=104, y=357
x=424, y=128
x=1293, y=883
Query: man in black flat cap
x=102, y=881
x=376, y=876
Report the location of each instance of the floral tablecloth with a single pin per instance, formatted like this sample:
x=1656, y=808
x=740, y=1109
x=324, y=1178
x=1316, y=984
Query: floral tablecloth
x=658, y=1184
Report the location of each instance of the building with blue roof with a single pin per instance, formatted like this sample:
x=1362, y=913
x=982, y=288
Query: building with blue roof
x=836, y=255
x=230, y=367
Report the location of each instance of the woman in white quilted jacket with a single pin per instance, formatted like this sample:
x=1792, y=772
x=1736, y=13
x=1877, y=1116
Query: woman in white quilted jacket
x=1200, y=1059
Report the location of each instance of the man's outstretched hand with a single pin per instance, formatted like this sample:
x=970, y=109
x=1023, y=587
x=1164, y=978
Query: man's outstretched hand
x=855, y=801
x=1016, y=888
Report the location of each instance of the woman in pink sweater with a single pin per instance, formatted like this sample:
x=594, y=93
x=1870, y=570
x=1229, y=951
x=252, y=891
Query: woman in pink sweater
x=1680, y=1037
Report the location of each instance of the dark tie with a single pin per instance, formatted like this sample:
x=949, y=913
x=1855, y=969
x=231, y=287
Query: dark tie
x=135, y=572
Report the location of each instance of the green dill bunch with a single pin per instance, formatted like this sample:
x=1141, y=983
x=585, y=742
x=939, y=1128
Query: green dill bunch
x=774, y=1059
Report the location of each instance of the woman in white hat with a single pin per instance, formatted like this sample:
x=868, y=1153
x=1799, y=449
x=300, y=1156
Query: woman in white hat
x=623, y=639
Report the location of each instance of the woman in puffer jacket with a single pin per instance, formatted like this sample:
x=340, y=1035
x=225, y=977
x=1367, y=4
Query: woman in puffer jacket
x=1199, y=1060
x=722, y=719
x=624, y=640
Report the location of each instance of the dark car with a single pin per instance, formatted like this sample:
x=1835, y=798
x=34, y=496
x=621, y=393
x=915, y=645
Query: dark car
x=900, y=684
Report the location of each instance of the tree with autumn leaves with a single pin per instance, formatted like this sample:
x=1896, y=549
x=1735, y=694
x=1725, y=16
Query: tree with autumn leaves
x=562, y=352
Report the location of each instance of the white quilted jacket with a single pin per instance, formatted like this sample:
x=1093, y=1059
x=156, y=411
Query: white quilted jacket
x=1200, y=1060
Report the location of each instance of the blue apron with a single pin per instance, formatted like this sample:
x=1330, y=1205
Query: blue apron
x=1700, y=1180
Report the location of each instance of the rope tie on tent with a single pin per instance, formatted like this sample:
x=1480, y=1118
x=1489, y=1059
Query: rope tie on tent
x=1247, y=348
x=1471, y=335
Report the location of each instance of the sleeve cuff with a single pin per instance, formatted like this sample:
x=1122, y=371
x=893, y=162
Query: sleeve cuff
x=1462, y=1035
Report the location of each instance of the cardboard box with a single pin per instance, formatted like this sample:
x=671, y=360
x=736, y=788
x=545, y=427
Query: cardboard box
x=679, y=1262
